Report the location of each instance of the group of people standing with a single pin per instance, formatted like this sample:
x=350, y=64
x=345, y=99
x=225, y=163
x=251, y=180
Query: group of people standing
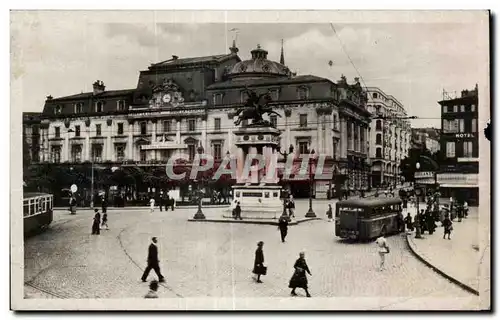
x=163, y=201
x=299, y=277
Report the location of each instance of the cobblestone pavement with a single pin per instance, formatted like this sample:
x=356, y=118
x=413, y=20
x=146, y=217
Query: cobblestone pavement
x=215, y=260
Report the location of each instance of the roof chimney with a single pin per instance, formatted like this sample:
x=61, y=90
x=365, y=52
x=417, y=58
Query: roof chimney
x=98, y=87
x=49, y=97
x=174, y=57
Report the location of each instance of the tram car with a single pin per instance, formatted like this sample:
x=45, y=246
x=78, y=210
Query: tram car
x=37, y=211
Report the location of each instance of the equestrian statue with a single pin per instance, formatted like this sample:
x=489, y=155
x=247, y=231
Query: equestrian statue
x=254, y=109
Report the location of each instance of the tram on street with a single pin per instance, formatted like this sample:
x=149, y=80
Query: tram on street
x=37, y=211
x=367, y=218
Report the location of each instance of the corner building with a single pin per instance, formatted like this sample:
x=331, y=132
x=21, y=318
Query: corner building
x=184, y=104
x=390, y=137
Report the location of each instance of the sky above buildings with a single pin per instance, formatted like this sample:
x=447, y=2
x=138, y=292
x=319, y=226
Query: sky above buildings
x=64, y=53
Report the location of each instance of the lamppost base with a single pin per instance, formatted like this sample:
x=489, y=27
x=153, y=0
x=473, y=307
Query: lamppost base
x=199, y=215
x=310, y=213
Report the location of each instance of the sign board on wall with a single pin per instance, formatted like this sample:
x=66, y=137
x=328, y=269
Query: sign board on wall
x=464, y=135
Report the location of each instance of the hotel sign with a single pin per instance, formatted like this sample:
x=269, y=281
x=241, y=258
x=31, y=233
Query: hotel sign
x=464, y=135
x=424, y=174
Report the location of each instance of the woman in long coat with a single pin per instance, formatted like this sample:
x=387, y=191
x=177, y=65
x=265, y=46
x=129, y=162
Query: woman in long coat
x=96, y=223
x=299, y=278
x=258, y=265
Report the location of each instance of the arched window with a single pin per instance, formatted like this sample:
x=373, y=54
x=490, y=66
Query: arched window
x=378, y=125
x=378, y=138
x=378, y=153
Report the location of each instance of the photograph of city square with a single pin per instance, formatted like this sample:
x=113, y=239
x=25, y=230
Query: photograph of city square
x=313, y=162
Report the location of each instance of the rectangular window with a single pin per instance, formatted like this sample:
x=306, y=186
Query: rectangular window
x=57, y=132
x=97, y=152
x=56, y=154
x=335, y=122
x=77, y=131
x=121, y=105
x=120, y=128
x=142, y=155
x=243, y=96
x=473, y=125
x=76, y=153
x=144, y=128
x=473, y=108
x=167, y=126
x=461, y=125
x=462, y=108
x=302, y=93
x=378, y=153
x=120, y=152
x=455, y=108
x=78, y=108
x=191, y=151
x=98, y=106
x=450, y=149
x=468, y=149
x=303, y=121
x=217, y=151
x=303, y=147
x=192, y=125
x=217, y=98
x=445, y=109
x=334, y=150
x=274, y=120
x=98, y=130
x=165, y=155
x=275, y=94
x=217, y=124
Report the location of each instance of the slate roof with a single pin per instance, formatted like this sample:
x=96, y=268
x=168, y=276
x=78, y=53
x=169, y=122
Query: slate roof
x=105, y=94
x=236, y=83
x=195, y=60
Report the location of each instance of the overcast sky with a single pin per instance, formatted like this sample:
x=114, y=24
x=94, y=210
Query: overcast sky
x=64, y=54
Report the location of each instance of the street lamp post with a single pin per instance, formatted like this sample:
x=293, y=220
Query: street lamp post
x=199, y=214
x=310, y=213
x=285, y=192
x=418, y=233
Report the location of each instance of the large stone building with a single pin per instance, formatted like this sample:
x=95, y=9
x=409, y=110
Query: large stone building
x=182, y=104
x=390, y=137
x=426, y=138
x=460, y=145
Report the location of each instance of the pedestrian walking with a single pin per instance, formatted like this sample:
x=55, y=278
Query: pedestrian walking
x=408, y=222
x=160, y=201
x=258, y=265
x=237, y=211
x=153, y=290
x=283, y=227
x=291, y=207
x=152, y=204
x=96, y=222
x=105, y=221
x=299, y=277
x=383, y=249
x=400, y=222
x=448, y=227
x=466, y=209
x=329, y=213
x=153, y=262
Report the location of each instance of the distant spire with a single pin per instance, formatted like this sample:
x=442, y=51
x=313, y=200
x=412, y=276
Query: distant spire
x=282, y=57
x=234, y=49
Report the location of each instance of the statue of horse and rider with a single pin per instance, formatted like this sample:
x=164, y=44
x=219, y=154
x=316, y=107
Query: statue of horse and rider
x=254, y=109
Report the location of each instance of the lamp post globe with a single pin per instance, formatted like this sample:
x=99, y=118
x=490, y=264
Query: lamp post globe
x=310, y=213
x=199, y=213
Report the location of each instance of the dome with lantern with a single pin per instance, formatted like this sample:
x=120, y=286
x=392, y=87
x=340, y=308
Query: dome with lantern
x=259, y=66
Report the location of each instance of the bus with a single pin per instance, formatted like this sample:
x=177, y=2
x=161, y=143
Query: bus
x=367, y=218
x=37, y=211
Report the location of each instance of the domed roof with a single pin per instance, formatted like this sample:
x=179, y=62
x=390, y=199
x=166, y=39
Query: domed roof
x=259, y=66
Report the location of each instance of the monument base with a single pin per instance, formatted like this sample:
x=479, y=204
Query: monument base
x=259, y=201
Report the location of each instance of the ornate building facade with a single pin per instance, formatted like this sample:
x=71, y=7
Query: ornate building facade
x=185, y=105
x=390, y=137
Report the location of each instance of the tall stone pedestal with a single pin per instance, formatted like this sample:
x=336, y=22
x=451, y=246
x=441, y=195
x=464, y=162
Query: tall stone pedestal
x=258, y=191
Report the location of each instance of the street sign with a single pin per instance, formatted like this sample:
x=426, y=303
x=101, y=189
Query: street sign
x=73, y=188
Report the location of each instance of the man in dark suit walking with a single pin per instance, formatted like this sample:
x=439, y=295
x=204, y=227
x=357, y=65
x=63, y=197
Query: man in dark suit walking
x=153, y=262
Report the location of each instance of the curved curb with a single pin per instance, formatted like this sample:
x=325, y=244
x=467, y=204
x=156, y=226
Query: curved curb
x=420, y=257
x=261, y=222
